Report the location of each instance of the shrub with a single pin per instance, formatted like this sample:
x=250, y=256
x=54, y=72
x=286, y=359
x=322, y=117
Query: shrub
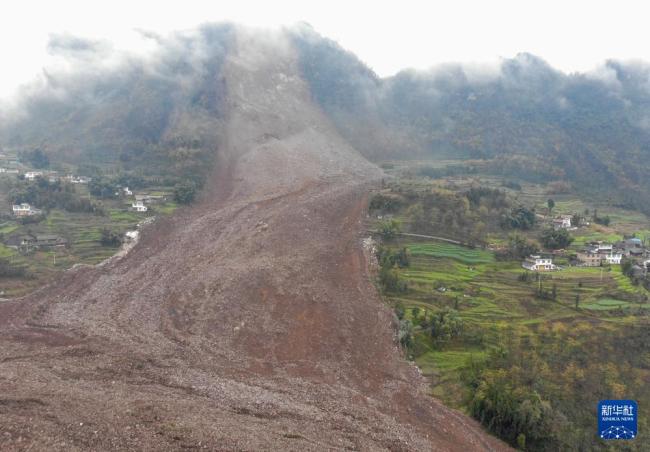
x=110, y=238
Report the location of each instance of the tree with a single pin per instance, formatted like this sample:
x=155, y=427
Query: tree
x=386, y=203
x=446, y=325
x=515, y=413
x=555, y=239
x=402, y=258
x=626, y=267
x=519, y=217
x=601, y=220
x=37, y=158
x=103, y=188
x=550, y=203
x=184, y=193
x=390, y=281
x=519, y=247
x=387, y=258
x=418, y=218
x=405, y=333
x=577, y=301
x=576, y=219
x=399, y=310
x=389, y=228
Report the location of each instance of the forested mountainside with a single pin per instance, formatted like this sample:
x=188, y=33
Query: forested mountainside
x=521, y=116
x=591, y=129
x=156, y=112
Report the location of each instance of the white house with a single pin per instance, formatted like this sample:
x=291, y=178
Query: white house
x=139, y=206
x=562, y=222
x=131, y=235
x=537, y=263
x=77, y=179
x=604, y=248
x=127, y=192
x=24, y=210
x=613, y=258
x=31, y=175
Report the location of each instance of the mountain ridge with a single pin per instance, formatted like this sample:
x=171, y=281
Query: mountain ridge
x=592, y=126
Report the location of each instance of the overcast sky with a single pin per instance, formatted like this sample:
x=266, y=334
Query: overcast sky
x=572, y=35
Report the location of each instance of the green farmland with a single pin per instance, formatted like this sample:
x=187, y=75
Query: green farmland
x=499, y=309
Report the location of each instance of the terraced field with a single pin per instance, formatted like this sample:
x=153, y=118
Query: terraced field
x=455, y=252
x=82, y=232
x=490, y=295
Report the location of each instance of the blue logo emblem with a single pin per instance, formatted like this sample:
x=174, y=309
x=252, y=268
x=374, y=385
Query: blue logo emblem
x=617, y=419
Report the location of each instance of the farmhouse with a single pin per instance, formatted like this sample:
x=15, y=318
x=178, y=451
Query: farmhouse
x=24, y=210
x=538, y=263
x=139, y=206
x=149, y=198
x=589, y=258
x=31, y=175
x=638, y=271
x=36, y=241
x=562, y=222
x=598, y=253
x=614, y=258
x=631, y=247
x=77, y=179
x=48, y=241
x=43, y=240
x=19, y=241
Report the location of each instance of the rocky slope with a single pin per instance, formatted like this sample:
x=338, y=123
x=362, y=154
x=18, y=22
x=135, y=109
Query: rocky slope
x=247, y=322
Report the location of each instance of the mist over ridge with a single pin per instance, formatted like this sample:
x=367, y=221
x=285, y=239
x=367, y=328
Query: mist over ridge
x=565, y=126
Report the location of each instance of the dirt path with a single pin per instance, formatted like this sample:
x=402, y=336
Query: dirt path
x=247, y=322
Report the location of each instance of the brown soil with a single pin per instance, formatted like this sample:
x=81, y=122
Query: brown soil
x=247, y=322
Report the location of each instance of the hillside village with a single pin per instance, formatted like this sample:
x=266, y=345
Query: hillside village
x=633, y=250
x=52, y=218
x=13, y=167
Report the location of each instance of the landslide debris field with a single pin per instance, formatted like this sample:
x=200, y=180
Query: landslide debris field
x=246, y=322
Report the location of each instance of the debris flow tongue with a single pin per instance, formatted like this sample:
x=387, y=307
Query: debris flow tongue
x=246, y=322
